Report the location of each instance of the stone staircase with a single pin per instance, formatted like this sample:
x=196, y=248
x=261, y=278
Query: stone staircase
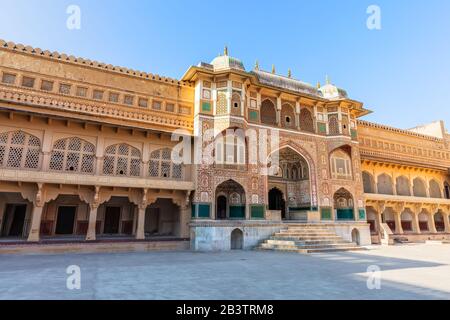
x=307, y=238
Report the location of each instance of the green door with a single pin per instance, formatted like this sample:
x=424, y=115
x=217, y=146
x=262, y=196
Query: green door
x=345, y=214
x=237, y=212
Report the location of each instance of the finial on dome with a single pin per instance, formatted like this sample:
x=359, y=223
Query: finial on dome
x=327, y=79
x=318, y=85
x=273, y=69
x=225, y=51
x=256, y=65
x=289, y=73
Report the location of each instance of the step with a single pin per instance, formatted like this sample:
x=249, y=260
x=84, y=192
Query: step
x=307, y=242
x=306, y=234
x=307, y=251
x=314, y=246
x=300, y=238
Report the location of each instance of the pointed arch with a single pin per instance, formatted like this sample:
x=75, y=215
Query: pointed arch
x=368, y=182
x=287, y=116
x=435, y=189
x=403, y=186
x=268, y=112
x=385, y=185
x=306, y=120
x=419, y=188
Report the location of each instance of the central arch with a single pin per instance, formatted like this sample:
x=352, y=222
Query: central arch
x=290, y=181
x=230, y=200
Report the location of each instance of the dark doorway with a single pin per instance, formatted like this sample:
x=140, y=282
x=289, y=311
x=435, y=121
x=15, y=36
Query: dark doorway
x=65, y=220
x=14, y=220
x=447, y=191
x=112, y=220
x=276, y=201
x=237, y=239
x=221, y=207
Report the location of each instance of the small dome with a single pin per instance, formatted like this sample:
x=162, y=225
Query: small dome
x=226, y=62
x=330, y=91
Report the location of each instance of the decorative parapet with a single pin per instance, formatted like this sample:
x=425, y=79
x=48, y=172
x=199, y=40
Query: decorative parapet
x=68, y=104
x=61, y=57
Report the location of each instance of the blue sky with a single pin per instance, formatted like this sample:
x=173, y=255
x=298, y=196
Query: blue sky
x=401, y=72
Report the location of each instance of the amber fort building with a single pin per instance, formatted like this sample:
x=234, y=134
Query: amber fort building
x=85, y=159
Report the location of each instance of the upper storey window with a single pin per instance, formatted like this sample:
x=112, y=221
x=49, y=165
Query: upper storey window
x=113, y=97
x=47, y=85
x=73, y=155
x=64, y=88
x=156, y=105
x=28, y=82
x=19, y=150
x=98, y=95
x=129, y=100
x=306, y=120
x=341, y=165
x=161, y=165
x=9, y=78
x=81, y=92
x=170, y=107
x=122, y=160
x=268, y=112
x=143, y=103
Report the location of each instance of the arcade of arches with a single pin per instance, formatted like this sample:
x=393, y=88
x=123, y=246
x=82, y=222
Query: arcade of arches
x=410, y=202
x=73, y=213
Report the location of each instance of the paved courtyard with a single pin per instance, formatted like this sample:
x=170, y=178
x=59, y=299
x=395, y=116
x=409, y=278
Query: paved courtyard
x=407, y=272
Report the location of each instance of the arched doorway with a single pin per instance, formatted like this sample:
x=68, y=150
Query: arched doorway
x=230, y=200
x=356, y=237
x=221, y=207
x=276, y=201
x=343, y=204
x=237, y=239
x=289, y=170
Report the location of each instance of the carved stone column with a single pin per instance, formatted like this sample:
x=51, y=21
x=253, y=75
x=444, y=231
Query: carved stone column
x=446, y=217
x=35, y=230
x=398, y=223
x=185, y=216
x=140, y=227
x=416, y=225
x=36, y=215
x=91, y=232
x=431, y=223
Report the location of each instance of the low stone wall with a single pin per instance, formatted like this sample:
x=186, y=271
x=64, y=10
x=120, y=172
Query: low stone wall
x=216, y=236
x=422, y=237
x=213, y=235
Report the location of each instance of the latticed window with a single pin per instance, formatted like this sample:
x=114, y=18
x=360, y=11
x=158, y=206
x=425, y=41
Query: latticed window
x=268, y=113
x=334, y=125
x=19, y=150
x=161, y=165
x=73, y=155
x=306, y=120
x=222, y=105
x=122, y=160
